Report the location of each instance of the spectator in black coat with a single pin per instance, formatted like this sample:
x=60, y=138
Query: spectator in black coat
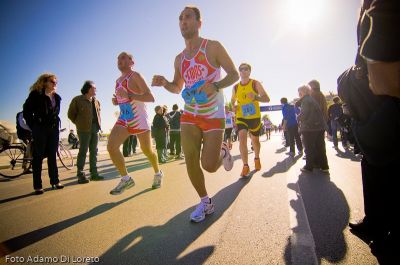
x=41, y=110
x=160, y=127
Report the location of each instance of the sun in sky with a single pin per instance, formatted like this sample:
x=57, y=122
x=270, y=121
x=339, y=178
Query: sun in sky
x=301, y=16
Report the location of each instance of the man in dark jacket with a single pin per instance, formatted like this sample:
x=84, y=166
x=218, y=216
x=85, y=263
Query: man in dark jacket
x=290, y=124
x=84, y=112
x=335, y=111
x=72, y=139
x=376, y=123
x=175, y=132
x=312, y=127
x=160, y=126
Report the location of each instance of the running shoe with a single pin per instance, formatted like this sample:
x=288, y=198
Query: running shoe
x=122, y=186
x=227, y=159
x=157, y=180
x=257, y=164
x=245, y=171
x=201, y=211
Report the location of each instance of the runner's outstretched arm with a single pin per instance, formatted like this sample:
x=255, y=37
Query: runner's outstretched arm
x=177, y=84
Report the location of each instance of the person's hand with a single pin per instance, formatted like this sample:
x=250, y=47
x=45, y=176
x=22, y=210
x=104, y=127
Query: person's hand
x=114, y=100
x=208, y=88
x=122, y=94
x=159, y=80
x=234, y=108
x=251, y=96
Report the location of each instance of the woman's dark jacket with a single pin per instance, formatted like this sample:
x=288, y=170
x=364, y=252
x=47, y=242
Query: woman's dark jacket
x=39, y=112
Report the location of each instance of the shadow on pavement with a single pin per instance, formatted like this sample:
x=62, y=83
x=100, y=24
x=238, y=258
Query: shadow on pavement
x=348, y=154
x=280, y=150
x=164, y=244
x=17, y=197
x=281, y=166
x=14, y=244
x=328, y=215
x=112, y=172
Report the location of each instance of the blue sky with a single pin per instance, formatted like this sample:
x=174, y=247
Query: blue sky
x=287, y=42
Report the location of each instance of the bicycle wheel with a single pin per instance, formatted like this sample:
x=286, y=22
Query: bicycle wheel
x=12, y=162
x=65, y=157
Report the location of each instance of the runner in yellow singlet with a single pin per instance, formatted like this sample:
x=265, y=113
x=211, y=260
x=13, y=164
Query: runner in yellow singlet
x=248, y=93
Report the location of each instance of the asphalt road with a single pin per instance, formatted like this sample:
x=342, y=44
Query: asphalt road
x=278, y=216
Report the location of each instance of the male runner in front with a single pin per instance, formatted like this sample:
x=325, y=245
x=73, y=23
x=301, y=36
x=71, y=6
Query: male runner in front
x=248, y=93
x=131, y=92
x=203, y=120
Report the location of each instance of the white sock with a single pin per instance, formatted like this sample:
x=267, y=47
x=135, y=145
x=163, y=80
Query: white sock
x=158, y=173
x=126, y=178
x=205, y=199
x=223, y=152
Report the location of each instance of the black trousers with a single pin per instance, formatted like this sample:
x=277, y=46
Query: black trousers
x=45, y=144
x=175, y=142
x=381, y=199
x=314, y=145
x=294, y=136
x=129, y=145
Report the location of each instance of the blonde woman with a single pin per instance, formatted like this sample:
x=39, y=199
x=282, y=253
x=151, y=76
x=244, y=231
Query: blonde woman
x=41, y=110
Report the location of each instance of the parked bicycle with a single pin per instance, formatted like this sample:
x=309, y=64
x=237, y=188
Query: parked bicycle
x=16, y=160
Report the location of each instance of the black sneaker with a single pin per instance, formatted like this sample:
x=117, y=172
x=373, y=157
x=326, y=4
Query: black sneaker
x=39, y=191
x=96, y=177
x=82, y=178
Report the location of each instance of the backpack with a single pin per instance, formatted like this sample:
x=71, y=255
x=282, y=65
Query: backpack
x=24, y=133
x=375, y=119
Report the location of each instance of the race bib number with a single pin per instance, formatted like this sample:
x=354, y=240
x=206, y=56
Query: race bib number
x=229, y=121
x=248, y=109
x=126, y=111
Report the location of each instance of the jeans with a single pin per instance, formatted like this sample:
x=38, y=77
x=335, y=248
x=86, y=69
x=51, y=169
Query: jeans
x=87, y=140
x=129, y=145
x=294, y=136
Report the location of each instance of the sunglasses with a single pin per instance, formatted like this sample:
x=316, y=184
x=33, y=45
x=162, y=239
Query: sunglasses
x=53, y=82
x=190, y=94
x=243, y=69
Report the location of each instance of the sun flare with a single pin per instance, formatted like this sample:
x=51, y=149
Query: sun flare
x=302, y=14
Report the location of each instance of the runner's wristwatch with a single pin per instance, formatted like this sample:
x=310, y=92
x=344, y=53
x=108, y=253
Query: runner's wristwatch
x=216, y=86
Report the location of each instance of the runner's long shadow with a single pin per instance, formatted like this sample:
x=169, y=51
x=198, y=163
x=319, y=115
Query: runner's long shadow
x=14, y=244
x=328, y=215
x=164, y=244
x=281, y=166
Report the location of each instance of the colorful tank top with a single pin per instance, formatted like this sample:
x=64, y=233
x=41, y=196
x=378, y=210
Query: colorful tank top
x=247, y=108
x=196, y=69
x=131, y=112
